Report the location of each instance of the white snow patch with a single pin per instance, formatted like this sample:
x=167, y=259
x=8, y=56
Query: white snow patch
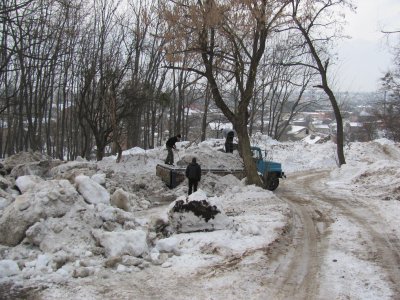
x=8, y=268
x=91, y=191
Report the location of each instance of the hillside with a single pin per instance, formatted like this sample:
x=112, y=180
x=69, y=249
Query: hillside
x=325, y=233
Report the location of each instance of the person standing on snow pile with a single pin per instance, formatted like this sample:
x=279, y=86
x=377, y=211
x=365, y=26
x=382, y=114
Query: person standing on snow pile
x=229, y=142
x=193, y=174
x=171, y=145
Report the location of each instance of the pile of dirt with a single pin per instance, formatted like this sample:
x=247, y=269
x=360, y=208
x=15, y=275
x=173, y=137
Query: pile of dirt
x=199, y=208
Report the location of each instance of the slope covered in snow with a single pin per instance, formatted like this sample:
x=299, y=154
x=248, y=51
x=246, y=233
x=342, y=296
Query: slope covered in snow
x=69, y=226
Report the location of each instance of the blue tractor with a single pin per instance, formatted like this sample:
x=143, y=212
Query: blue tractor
x=269, y=171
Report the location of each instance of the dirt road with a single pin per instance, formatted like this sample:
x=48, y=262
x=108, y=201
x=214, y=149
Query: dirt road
x=298, y=266
x=314, y=211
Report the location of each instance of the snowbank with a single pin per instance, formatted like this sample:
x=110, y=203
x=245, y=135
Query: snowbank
x=94, y=217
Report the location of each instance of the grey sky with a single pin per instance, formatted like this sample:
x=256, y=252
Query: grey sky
x=365, y=57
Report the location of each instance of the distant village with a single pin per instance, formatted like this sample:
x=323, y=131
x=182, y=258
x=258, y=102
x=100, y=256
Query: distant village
x=320, y=126
x=360, y=123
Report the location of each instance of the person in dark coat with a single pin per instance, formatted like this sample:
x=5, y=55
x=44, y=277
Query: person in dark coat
x=171, y=145
x=193, y=174
x=229, y=142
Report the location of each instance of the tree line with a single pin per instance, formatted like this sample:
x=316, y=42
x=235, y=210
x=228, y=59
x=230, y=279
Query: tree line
x=78, y=76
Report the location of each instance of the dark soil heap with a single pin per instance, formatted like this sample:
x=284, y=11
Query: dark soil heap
x=199, y=208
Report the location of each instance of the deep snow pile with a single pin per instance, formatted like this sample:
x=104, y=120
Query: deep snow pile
x=60, y=220
x=373, y=174
x=64, y=220
x=372, y=171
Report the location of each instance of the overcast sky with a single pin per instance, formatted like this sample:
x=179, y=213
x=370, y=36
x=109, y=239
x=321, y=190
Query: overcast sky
x=365, y=57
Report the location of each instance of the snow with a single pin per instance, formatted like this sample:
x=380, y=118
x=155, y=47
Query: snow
x=219, y=125
x=343, y=265
x=129, y=242
x=356, y=124
x=93, y=192
x=26, y=182
x=8, y=268
x=94, y=237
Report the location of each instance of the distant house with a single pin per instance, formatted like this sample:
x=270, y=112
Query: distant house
x=300, y=122
x=366, y=117
x=356, y=132
x=361, y=126
x=363, y=116
x=296, y=133
x=320, y=128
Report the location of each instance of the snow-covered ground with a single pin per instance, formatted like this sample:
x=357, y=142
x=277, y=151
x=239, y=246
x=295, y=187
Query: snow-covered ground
x=70, y=225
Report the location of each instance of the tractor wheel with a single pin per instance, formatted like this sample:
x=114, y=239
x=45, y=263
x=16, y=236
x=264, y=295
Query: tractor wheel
x=271, y=181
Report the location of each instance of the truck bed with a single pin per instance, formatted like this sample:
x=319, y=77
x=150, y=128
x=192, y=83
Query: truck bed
x=174, y=175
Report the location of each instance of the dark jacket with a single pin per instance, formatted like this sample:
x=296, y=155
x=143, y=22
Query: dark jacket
x=171, y=142
x=193, y=171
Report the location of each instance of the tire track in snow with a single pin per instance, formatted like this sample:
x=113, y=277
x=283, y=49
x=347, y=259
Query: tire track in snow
x=297, y=264
x=386, y=244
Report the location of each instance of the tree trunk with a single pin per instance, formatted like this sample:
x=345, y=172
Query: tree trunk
x=250, y=166
x=205, y=114
x=339, y=124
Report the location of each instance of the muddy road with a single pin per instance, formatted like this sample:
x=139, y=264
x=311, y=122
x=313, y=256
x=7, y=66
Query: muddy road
x=314, y=210
x=300, y=265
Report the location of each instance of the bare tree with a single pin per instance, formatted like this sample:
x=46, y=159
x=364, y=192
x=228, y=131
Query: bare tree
x=312, y=20
x=390, y=105
x=280, y=88
x=74, y=74
x=230, y=39
x=390, y=82
x=8, y=12
x=31, y=50
x=147, y=78
x=105, y=59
